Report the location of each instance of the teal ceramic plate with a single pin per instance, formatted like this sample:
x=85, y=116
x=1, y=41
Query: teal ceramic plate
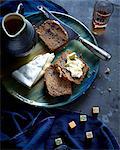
x=37, y=95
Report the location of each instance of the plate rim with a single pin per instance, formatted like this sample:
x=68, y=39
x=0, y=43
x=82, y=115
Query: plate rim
x=37, y=104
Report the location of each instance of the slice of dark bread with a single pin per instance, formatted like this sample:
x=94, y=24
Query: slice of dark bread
x=53, y=34
x=56, y=86
x=63, y=72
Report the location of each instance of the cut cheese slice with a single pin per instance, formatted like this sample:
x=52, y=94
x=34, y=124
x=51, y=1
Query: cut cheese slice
x=30, y=73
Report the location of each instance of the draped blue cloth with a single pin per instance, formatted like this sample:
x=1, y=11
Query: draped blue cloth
x=42, y=130
x=30, y=6
x=30, y=128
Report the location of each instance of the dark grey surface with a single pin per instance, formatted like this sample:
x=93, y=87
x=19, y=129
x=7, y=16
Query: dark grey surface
x=98, y=94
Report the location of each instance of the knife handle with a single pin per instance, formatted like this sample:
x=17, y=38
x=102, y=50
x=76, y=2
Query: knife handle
x=95, y=49
x=46, y=12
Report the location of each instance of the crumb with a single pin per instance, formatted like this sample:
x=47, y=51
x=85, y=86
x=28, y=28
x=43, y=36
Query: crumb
x=94, y=87
x=99, y=76
x=83, y=93
x=101, y=92
x=109, y=89
x=107, y=71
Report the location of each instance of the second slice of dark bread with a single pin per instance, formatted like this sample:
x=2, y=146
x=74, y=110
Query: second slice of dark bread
x=56, y=86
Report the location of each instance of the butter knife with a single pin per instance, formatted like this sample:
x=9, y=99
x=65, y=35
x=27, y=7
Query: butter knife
x=73, y=35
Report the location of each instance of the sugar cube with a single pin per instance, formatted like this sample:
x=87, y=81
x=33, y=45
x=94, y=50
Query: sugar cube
x=58, y=141
x=72, y=124
x=83, y=118
x=89, y=135
x=95, y=110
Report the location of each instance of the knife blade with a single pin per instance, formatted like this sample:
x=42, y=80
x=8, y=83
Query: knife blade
x=73, y=35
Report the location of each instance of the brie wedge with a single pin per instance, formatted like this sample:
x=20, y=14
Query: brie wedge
x=30, y=73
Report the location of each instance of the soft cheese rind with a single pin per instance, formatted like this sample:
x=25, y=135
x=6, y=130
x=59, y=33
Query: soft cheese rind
x=30, y=73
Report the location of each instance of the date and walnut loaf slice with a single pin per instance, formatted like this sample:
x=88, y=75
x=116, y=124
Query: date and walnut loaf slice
x=64, y=73
x=53, y=34
x=56, y=86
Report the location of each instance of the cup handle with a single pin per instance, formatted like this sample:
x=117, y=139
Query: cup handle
x=20, y=9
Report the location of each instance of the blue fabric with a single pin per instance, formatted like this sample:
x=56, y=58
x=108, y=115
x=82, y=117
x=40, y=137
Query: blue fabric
x=103, y=138
x=30, y=128
x=40, y=133
x=30, y=6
